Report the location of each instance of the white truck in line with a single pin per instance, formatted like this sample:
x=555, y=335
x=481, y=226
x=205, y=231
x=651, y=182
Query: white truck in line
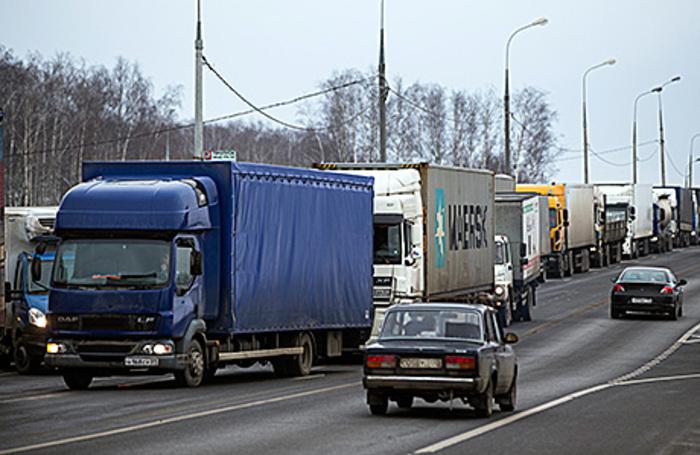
x=520, y=220
x=640, y=225
x=433, y=233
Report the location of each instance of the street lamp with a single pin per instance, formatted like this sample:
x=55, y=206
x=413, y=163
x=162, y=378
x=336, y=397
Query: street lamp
x=634, y=131
x=691, y=160
x=506, y=96
x=585, y=125
x=658, y=91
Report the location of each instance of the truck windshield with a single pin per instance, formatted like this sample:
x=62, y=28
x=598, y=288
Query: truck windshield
x=500, y=253
x=112, y=263
x=41, y=286
x=455, y=324
x=387, y=243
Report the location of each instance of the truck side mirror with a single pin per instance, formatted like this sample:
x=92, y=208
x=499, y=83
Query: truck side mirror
x=566, y=218
x=196, y=263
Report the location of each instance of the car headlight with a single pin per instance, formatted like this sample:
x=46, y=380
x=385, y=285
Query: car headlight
x=37, y=318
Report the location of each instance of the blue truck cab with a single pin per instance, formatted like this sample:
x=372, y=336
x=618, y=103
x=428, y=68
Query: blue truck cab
x=183, y=267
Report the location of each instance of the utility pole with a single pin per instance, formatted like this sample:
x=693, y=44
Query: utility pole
x=198, y=125
x=382, y=90
x=691, y=160
x=585, y=121
x=661, y=143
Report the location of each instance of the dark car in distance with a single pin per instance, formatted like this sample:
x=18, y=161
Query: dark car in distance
x=647, y=290
x=441, y=351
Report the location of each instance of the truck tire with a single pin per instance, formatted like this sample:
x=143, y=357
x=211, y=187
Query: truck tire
x=525, y=310
x=300, y=365
x=77, y=380
x=568, y=266
x=24, y=361
x=193, y=374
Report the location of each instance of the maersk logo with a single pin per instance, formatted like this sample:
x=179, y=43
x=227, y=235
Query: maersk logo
x=440, y=228
x=468, y=228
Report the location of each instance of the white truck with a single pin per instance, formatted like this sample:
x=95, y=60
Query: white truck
x=433, y=233
x=519, y=243
x=640, y=226
x=23, y=309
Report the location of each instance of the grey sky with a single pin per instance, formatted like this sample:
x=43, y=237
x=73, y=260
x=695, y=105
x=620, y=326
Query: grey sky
x=277, y=49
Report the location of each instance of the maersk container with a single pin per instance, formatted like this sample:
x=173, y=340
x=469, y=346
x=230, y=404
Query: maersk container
x=259, y=263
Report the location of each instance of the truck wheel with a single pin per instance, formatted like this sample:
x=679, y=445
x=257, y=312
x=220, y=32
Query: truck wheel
x=569, y=264
x=300, y=365
x=405, y=402
x=25, y=362
x=507, y=402
x=193, y=374
x=526, y=307
x=508, y=310
x=77, y=380
x=483, y=404
x=378, y=403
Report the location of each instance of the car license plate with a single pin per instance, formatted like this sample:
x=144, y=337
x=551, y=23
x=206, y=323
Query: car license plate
x=641, y=300
x=421, y=363
x=141, y=361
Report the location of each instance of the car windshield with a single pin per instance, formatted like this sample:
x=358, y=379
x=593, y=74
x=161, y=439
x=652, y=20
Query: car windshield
x=644, y=276
x=41, y=286
x=112, y=263
x=500, y=253
x=387, y=243
x=450, y=324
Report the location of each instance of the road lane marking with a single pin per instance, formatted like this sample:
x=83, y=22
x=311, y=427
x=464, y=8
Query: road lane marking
x=170, y=420
x=34, y=397
x=659, y=379
x=622, y=380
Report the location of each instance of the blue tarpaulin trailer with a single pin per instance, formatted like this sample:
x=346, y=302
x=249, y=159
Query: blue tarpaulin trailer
x=208, y=263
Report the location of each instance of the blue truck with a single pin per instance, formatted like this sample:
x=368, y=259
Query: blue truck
x=184, y=267
x=24, y=302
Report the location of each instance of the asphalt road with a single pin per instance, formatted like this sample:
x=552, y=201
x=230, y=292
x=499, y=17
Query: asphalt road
x=571, y=347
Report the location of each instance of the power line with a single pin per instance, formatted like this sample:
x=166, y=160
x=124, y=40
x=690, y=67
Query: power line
x=275, y=119
x=675, y=168
x=604, y=152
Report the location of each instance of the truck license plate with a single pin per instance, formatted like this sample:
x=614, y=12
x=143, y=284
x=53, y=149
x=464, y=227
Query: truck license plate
x=421, y=363
x=641, y=300
x=141, y=361
x=382, y=293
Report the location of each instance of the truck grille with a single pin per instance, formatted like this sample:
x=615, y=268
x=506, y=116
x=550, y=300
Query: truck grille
x=112, y=322
x=104, y=352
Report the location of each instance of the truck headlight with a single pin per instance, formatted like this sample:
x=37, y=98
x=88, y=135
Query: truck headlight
x=158, y=348
x=499, y=291
x=55, y=348
x=37, y=318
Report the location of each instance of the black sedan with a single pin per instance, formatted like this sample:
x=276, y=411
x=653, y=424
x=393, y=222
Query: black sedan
x=441, y=351
x=647, y=290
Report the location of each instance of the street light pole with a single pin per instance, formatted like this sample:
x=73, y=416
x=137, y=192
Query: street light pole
x=506, y=96
x=585, y=123
x=691, y=160
x=634, y=132
x=382, y=89
x=662, y=148
x=198, y=120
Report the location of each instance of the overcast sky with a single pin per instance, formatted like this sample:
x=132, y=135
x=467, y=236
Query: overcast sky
x=277, y=49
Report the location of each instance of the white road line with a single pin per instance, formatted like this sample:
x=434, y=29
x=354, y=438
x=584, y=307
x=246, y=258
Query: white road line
x=34, y=397
x=170, y=420
x=622, y=380
x=659, y=379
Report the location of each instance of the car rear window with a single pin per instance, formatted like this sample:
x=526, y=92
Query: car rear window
x=644, y=276
x=455, y=324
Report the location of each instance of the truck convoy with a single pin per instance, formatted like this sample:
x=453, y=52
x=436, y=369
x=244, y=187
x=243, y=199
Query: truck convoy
x=571, y=223
x=640, y=222
x=23, y=311
x=518, y=268
x=681, y=204
x=183, y=267
x=433, y=233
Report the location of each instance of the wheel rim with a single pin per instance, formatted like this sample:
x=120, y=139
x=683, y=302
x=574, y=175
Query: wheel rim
x=305, y=358
x=196, y=363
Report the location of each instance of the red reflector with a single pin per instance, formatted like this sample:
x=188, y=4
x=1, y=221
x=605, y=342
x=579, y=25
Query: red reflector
x=618, y=288
x=667, y=290
x=381, y=361
x=460, y=362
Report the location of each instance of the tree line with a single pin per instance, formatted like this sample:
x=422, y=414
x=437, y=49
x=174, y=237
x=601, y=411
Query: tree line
x=60, y=111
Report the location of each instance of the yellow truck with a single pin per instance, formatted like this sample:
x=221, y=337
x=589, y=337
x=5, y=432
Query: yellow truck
x=571, y=225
